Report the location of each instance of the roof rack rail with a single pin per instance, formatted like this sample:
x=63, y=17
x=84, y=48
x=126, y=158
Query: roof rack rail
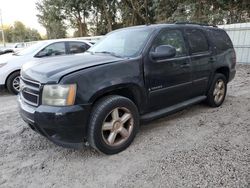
x=195, y=23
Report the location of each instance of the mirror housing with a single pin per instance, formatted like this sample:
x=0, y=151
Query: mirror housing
x=163, y=52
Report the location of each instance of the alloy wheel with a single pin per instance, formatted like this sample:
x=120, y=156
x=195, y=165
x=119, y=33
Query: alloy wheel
x=16, y=83
x=117, y=126
x=219, y=91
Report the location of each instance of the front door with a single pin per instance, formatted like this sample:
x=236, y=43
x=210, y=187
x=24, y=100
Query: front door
x=168, y=81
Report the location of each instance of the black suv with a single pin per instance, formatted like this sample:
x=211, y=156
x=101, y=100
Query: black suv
x=133, y=75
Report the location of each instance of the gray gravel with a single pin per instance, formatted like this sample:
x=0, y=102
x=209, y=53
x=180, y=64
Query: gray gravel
x=197, y=147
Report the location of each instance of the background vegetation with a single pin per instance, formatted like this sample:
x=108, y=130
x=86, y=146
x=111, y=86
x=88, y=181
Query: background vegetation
x=98, y=17
x=18, y=32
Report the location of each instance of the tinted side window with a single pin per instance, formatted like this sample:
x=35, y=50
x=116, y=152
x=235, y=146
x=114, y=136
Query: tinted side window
x=197, y=41
x=53, y=50
x=221, y=40
x=173, y=38
x=77, y=47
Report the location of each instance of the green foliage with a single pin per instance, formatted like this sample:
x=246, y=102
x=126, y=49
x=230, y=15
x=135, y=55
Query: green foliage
x=20, y=33
x=77, y=11
x=52, y=18
x=102, y=16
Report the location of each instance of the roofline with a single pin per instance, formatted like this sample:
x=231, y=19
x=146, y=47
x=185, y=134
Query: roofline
x=162, y=25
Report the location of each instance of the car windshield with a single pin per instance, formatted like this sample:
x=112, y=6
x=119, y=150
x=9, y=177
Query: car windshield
x=31, y=49
x=123, y=43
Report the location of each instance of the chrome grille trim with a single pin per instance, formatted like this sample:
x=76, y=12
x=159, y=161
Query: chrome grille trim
x=28, y=102
x=32, y=82
x=30, y=88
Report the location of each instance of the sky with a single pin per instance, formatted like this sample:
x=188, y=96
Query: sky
x=21, y=10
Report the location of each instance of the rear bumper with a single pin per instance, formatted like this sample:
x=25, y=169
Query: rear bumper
x=232, y=75
x=65, y=126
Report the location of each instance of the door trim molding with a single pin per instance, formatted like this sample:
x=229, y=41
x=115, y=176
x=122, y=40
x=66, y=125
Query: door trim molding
x=170, y=87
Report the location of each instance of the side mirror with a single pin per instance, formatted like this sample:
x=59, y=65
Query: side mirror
x=163, y=52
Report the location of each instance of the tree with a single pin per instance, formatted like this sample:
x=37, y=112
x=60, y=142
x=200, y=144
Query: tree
x=52, y=18
x=77, y=11
x=105, y=13
x=32, y=35
x=102, y=16
x=20, y=33
x=137, y=12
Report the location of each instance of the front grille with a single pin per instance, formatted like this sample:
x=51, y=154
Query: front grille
x=30, y=91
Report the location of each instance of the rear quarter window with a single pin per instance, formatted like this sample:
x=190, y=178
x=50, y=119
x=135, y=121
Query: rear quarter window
x=197, y=41
x=221, y=40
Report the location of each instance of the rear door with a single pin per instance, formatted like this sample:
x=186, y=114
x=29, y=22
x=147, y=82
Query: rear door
x=201, y=60
x=76, y=47
x=168, y=80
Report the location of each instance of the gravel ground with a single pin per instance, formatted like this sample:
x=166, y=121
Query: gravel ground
x=197, y=147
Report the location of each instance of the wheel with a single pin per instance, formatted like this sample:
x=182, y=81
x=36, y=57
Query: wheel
x=113, y=124
x=217, y=91
x=13, y=83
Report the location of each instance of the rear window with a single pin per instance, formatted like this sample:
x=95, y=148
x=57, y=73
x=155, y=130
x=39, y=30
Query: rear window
x=197, y=41
x=221, y=40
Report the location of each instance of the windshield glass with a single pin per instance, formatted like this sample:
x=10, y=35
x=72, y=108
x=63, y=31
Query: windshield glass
x=123, y=43
x=31, y=49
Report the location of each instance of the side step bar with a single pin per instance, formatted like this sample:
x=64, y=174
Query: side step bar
x=172, y=109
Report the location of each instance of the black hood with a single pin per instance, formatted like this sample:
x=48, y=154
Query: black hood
x=50, y=70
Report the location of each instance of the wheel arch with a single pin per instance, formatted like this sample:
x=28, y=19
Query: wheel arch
x=18, y=70
x=223, y=70
x=131, y=91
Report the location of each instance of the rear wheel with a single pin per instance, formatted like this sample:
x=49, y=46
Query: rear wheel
x=13, y=83
x=218, y=90
x=113, y=124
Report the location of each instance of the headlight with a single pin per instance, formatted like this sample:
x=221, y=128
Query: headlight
x=2, y=64
x=59, y=95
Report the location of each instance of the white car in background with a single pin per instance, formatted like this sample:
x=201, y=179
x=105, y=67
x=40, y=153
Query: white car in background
x=11, y=49
x=10, y=64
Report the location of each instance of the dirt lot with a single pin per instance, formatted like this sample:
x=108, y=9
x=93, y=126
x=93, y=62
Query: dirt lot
x=197, y=147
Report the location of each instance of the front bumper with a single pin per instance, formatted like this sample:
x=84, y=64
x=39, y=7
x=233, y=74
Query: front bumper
x=2, y=79
x=2, y=87
x=65, y=126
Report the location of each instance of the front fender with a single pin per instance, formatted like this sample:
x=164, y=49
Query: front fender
x=96, y=81
x=130, y=90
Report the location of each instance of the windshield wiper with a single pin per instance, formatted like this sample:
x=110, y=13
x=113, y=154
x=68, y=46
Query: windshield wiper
x=110, y=53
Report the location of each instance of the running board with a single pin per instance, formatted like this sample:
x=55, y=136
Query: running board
x=172, y=109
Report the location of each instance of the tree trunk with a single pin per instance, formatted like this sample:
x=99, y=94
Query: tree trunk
x=80, y=29
x=97, y=20
x=107, y=16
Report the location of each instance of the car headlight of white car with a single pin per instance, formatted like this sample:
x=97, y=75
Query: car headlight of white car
x=59, y=95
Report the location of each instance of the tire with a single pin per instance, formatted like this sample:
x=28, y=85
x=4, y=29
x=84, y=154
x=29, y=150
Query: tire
x=12, y=81
x=109, y=117
x=217, y=91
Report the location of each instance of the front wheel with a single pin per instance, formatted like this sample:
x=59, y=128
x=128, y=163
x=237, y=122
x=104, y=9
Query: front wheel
x=217, y=91
x=113, y=124
x=13, y=83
